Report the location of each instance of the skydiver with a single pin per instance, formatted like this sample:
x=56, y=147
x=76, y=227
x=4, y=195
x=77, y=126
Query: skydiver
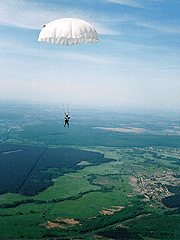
x=67, y=117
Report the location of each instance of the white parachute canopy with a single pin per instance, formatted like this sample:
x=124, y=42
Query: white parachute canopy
x=68, y=31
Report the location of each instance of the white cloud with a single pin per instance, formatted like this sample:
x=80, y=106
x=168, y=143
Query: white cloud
x=106, y=31
x=15, y=48
x=133, y=21
x=33, y=16
x=164, y=29
x=136, y=3
x=127, y=3
x=24, y=15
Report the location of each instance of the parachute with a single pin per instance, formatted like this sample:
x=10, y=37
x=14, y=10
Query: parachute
x=68, y=31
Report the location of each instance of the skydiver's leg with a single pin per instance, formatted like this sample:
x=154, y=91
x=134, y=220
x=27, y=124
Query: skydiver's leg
x=66, y=122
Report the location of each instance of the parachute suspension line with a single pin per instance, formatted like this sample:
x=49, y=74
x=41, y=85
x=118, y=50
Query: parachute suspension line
x=130, y=74
x=67, y=93
x=66, y=109
x=58, y=70
x=61, y=80
x=70, y=110
x=55, y=64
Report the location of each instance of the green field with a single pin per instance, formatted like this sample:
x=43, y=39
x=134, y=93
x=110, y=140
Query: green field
x=66, y=186
x=100, y=197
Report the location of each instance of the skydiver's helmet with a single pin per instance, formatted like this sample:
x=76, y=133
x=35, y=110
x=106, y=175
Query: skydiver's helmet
x=66, y=115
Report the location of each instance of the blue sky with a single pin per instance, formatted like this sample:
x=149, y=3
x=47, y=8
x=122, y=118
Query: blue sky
x=136, y=62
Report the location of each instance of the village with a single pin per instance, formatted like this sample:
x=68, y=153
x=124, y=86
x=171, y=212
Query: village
x=154, y=187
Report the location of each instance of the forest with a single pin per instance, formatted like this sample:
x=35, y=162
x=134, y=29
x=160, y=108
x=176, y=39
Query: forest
x=172, y=201
x=28, y=166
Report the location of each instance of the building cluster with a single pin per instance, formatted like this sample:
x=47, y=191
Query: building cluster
x=154, y=187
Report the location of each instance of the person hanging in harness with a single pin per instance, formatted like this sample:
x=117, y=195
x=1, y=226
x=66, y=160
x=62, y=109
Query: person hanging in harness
x=67, y=117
